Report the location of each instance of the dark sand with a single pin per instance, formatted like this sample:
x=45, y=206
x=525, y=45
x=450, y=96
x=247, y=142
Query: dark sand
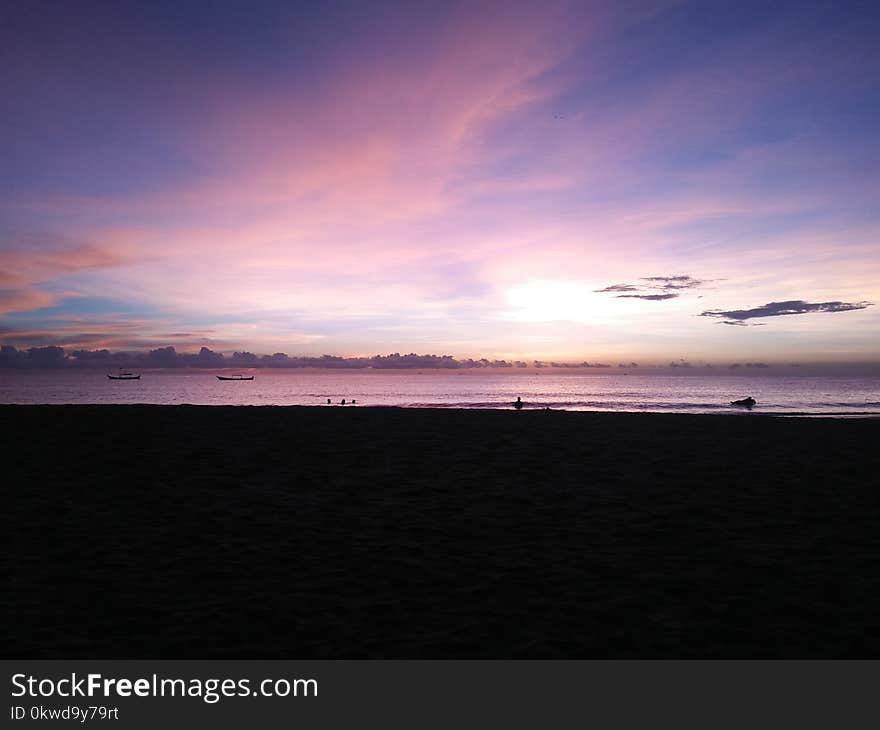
x=188, y=532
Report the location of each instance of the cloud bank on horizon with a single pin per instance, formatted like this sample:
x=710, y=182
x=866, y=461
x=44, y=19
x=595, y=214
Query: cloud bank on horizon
x=459, y=178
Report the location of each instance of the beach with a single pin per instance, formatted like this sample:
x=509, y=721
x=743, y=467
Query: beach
x=304, y=532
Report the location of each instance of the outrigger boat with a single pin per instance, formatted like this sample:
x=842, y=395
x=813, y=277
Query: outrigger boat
x=235, y=377
x=124, y=376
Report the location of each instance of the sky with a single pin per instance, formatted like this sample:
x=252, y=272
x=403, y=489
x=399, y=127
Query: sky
x=646, y=181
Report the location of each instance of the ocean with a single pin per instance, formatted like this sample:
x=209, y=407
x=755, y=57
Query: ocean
x=777, y=395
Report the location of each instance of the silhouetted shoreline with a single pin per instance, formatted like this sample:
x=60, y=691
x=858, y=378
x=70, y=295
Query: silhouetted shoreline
x=296, y=532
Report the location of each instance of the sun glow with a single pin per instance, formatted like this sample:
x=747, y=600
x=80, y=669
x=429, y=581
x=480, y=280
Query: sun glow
x=553, y=300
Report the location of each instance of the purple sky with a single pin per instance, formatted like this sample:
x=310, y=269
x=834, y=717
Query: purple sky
x=604, y=181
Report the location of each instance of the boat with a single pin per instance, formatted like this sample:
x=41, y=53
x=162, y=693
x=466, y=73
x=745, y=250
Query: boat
x=235, y=377
x=124, y=376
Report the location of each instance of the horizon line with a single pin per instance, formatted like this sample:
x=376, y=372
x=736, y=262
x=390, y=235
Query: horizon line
x=167, y=357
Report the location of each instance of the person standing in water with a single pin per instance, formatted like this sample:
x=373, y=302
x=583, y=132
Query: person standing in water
x=519, y=404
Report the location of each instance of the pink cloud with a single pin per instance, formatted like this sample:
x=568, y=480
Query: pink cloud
x=37, y=261
x=23, y=299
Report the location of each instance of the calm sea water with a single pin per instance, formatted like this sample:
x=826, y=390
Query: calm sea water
x=603, y=392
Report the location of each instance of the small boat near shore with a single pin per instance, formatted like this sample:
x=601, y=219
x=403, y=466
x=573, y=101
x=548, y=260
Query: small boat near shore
x=235, y=377
x=124, y=376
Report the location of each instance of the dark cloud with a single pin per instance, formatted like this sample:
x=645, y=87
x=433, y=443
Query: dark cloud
x=779, y=309
x=584, y=364
x=250, y=359
x=168, y=357
x=45, y=357
x=654, y=288
x=673, y=282
x=11, y=357
x=648, y=297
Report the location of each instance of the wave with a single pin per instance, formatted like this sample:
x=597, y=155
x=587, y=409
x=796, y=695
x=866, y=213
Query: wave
x=858, y=404
x=789, y=409
x=601, y=405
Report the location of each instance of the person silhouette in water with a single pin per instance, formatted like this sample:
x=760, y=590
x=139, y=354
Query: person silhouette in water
x=519, y=404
